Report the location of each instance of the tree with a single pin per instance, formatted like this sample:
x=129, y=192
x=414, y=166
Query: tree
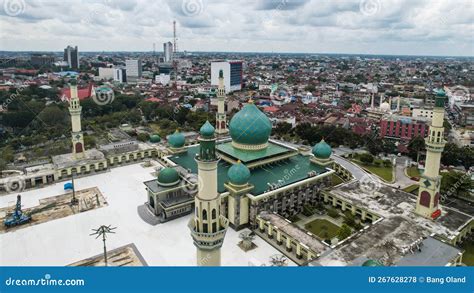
x=415, y=146
x=367, y=158
x=375, y=146
x=282, y=128
x=344, y=232
x=456, y=184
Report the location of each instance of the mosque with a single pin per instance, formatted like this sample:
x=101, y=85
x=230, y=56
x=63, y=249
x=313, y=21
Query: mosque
x=239, y=177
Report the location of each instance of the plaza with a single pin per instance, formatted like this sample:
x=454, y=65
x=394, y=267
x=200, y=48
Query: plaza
x=65, y=241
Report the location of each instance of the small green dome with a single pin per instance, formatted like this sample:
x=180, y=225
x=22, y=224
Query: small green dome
x=168, y=177
x=372, y=263
x=207, y=129
x=250, y=126
x=155, y=138
x=322, y=150
x=238, y=174
x=176, y=140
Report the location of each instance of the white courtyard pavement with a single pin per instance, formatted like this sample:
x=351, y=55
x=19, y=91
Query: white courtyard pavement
x=64, y=241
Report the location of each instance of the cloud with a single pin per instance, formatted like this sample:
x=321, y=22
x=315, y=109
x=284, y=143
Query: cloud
x=419, y=27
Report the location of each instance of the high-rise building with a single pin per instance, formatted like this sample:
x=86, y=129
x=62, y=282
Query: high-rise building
x=427, y=204
x=120, y=75
x=75, y=110
x=134, y=69
x=168, y=51
x=209, y=226
x=232, y=70
x=71, y=56
x=221, y=119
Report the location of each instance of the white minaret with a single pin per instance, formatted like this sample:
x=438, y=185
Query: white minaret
x=398, y=104
x=372, y=102
x=381, y=101
x=427, y=204
x=221, y=120
x=75, y=111
x=208, y=227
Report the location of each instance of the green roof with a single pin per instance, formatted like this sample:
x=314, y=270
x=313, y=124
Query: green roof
x=250, y=126
x=238, y=174
x=298, y=166
x=176, y=139
x=372, y=263
x=207, y=130
x=247, y=156
x=155, y=138
x=322, y=150
x=168, y=176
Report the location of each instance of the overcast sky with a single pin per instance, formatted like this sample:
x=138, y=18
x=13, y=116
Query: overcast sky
x=414, y=27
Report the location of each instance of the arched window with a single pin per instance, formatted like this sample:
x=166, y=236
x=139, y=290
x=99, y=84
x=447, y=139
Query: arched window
x=214, y=214
x=79, y=147
x=425, y=199
x=204, y=215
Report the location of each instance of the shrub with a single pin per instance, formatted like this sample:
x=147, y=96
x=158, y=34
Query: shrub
x=387, y=163
x=344, y=232
x=333, y=213
x=367, y=158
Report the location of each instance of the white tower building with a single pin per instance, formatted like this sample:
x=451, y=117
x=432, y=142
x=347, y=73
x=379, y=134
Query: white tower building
x=221, y=119
x=75, y=109
x=427, y=204
x=208, y=227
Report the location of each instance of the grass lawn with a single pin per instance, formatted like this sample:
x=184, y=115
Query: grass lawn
x=383, y=172
x=386, y=173
x=411, y=189
x=413, y=172
x=468, y=257
x=322, y=228
x=336, y=180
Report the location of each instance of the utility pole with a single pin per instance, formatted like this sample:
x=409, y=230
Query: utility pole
x=74, y=200
x=103, y=231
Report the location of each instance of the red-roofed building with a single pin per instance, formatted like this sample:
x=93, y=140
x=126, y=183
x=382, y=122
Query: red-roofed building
x=83, y=93
x=270, y=109
x=153, y=99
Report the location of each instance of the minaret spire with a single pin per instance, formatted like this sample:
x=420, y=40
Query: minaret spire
x=208, y=227
x=427, y=204
x=221, y=123
x=75, y=110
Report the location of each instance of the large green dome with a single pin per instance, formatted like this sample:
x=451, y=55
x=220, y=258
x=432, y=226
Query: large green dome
x=322, y=150
x=207, y=130
x=176, y=140
x=372, y=263
x=238, y=174
x=250, y=127
x=168, y=177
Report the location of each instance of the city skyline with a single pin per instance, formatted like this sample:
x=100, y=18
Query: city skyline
x=421, y=28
